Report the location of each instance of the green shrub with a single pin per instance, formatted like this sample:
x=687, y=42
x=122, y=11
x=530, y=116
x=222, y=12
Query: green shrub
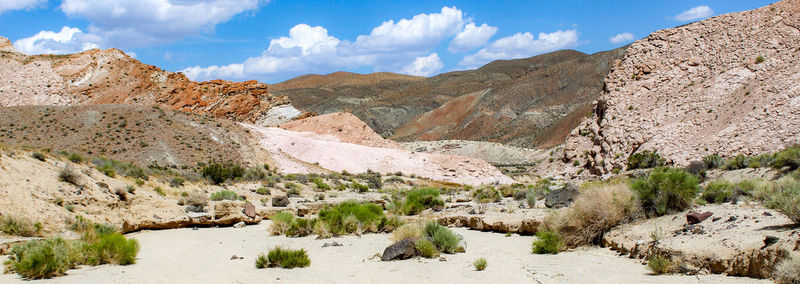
x=321, y=185
x=254, y=174
x=300, y=227
x=139, y=182
x=107, y=170
x=19, y=226
x=177, y=182
x=38, y=156
x=224, y=195
x=759, y=59
x=713, y=161
x=75, y=158
x=262, y=261
x=111, y=167
x=218, y=173
x=368, y=217
x=43, y=258
x=789, y=157
x=479, y=264
x=286, y=258
x=718, y=192
x=426, y=248
x=735, y=163
x=665, y=190
x=486, y=194
x=159, y=191
x=444, y=239
x=418, y=200
x=645, y=160
x=262, y=191
x=659, y=264
x=281, y=222
x=782, y=195
x=111, y=248
x=359, y=187
x=547, y=242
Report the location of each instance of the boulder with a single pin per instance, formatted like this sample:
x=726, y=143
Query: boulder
x=250, y=210
x=403, y=249
x=697, y=217
x=561, y=197
x=280, y=201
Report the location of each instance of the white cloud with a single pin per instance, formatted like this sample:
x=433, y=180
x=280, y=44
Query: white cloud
x=623, y=37
x=133, y=23
x=521, y=45
x=392, y=46
x=424, y=66
x=472, y=37
x=68, y=40
x=695, y=13
x=8, y=5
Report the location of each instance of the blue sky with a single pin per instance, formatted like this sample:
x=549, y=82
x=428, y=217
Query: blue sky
x=275, y=40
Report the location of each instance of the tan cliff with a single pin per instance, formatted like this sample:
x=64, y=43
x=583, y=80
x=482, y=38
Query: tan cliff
x=726, y=85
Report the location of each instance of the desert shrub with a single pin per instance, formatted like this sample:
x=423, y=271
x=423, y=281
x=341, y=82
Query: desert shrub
x=122, y=193
x=547, y=242
x=359, y=187
x=665, y=190
x=107, y=170
x=218, y=173
x=287, y=258
x=759, y=59
x=196, y=199
x=410, y=230
x=139, y=182
x=426, y=248
x=735, y=163
x=69, y=175
x=262, y=191
x=659, y=264
x=392, y=223
x=281, y=222
x=262, y=261
x=782, y=195
x=445, y=240
x=788, y=270
x=486, y=194
x=75, y=158
x=177, y=182
x=43, y=258
x=111, y=248
x=254, y=174
x=373, y=179
x=321, y=185
x=301, y=178
x=718, y=192
x=111, y=167
x=645, y=160
x=595, y=211
x=224, y=195
x=789, y=157
x=696, y=168
x=479, y=264
x=38, y=156
x=367, y=217
x=530, y=198
x=394, y=179
x=713, y=161
x=418, y=200
x=300, y=227
x=19, y=226
x=159, y=191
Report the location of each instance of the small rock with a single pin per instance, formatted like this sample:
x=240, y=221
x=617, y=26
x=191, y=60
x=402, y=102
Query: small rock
x=561, y=197
x=443, y=259
x=767, y=213
x=194, y=229
x=716, y=219
x=472, y=211
x=403, y=249
x=332, y=244
x=770, y=240
x=696, y=217
x=280, y=201
x=239, y=225
x=236, y=257
x=731, y=219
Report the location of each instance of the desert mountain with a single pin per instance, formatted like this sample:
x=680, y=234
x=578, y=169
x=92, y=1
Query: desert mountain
x=112, y=77
x=726, y=85
x=531, y=102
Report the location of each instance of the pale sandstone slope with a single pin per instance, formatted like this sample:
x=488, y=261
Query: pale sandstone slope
x=697, y=90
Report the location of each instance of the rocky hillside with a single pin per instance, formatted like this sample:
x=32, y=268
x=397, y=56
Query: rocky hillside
x=529, y=102
x=726, y=85
x=137, y=134
x=111, y=77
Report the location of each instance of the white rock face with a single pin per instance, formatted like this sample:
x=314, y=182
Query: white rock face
x=5, y=45
x=278, y=115
x=727, y=85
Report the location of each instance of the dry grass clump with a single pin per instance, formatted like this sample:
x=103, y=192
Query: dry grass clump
x=788, y=270
x=598, y=209
x=782, y=195
x=660, y=265
x=19, y=226
x=410, y=230
x=69, y=175
x=480, y=264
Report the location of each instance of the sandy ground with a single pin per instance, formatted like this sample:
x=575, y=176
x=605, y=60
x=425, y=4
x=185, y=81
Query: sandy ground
x=204, y=256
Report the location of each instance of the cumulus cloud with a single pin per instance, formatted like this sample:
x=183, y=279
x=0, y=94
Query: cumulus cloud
x=471, y=37
x=392, y=46
x=133, y=23
x=68, y=40
x=8, y=5
x=521, y=45
x=424, y=66
x=623, y=37
x=695, y=13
